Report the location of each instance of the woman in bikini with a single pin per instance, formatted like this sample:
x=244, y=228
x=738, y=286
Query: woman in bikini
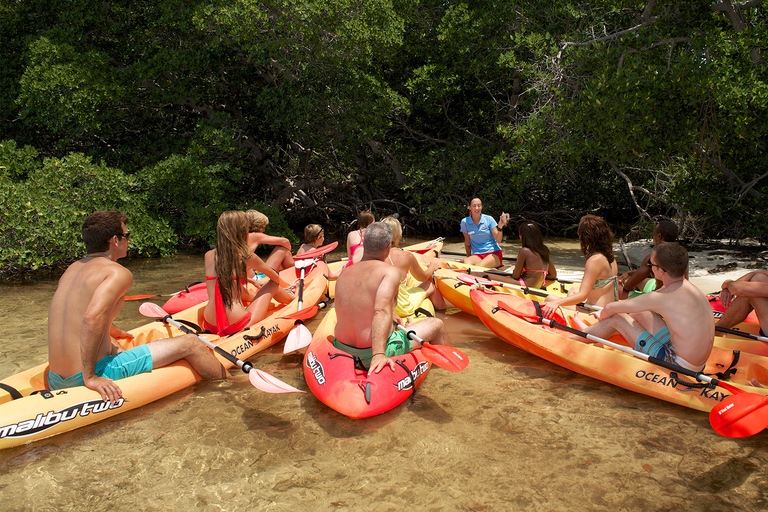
x=355, y=238
x=599, y=286
x=415, y=281
x=226, y=271
x=533, y=265
x=482, y=236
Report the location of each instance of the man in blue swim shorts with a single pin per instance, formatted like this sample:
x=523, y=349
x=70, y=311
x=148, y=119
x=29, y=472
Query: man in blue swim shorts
x=366, y=293
x=673, y=323
x=89, y=296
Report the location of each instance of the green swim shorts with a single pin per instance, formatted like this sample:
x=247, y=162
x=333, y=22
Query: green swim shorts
x=397, y=345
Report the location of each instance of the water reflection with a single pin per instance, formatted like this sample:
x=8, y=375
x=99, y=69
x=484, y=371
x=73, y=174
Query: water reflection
x=511, y=432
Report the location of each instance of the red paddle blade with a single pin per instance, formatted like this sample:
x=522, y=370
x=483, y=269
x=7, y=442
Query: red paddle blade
x=298, y=338
x=740, y=415
x=315, y=253
x=449, y=358
x=269, y=384
x=469, y=279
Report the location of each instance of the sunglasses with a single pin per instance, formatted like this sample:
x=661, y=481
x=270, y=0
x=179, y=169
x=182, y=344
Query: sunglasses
x=126, y=236
x=651, y=264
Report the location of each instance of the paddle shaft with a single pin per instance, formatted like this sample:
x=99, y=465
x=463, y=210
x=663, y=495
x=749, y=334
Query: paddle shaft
x=244, y=365
x=507, y=274
x=451, y=253
x=660, y=362
x=740, y=333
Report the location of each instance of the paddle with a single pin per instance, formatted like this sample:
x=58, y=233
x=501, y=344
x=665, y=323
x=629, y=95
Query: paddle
x=740, y=333
x=505, y=274
x=316, y=253
x=449, y=358
x=299, y=337
x=740, y=415
x=150, y=296
x=468, y=279
x=260, y=379
x=463, y=255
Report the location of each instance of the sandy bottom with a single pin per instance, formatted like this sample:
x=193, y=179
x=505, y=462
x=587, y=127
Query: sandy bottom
x=512, y=432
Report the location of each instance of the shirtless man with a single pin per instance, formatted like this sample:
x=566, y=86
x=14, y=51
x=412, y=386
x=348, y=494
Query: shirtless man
x=747, y=293
x=87, y=300
x=686, y=332
x=365, y=301
x=665, y=231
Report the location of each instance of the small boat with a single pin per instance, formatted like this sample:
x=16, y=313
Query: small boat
x=501, y=314
x=29, y=411
x=341, y=382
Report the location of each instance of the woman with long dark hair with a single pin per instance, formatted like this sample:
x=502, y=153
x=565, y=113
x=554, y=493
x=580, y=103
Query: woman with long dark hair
x=599, y=286
x=533, y=264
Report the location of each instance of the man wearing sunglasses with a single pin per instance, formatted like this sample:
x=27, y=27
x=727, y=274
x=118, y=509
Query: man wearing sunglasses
x=673, y=323
x=88, y=298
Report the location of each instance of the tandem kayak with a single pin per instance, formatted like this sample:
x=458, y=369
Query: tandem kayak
x=612, y=365
x=340, y=381
x=28, y=411
x=456, y=290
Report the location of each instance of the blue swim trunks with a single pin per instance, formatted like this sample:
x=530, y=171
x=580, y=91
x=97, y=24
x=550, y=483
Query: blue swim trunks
x=119, y=366
x=657, y=345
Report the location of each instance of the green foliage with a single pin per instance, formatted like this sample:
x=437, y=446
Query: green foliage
x=43, y=212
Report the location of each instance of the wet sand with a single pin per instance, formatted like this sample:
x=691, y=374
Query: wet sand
x=512, y=432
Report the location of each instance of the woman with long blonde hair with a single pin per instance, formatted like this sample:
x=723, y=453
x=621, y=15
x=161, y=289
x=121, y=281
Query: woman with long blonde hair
x=226, y=273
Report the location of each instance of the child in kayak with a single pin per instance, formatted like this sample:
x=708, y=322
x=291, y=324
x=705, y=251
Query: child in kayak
x=533, y=265
x=482, y=235
x=314, y=236
x=599, y=286
x=280, y=257
x=684, y=335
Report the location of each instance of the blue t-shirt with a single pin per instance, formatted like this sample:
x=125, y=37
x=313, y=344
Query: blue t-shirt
x=480, y=235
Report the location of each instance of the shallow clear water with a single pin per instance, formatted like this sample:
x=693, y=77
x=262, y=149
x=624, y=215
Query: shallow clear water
x=512, y=432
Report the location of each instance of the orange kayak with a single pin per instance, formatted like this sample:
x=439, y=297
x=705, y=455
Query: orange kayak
x=29, y=412
x=615, y=366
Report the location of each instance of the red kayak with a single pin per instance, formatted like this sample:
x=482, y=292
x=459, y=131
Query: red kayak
x=344, y=386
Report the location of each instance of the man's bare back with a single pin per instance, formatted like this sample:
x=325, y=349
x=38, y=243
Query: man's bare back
x=364, y=290
x=93, y=286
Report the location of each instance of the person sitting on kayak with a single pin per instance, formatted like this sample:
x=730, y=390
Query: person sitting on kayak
x=482, y=236
x=636, y=282
x=409, y=298
x=280, y=257
x=740, y=297
x=226, y=270
x=88, y=298
x=686, y=332
x=314, y=236
x=355, y=238
x=533, y=265
x=365, y=300
x=599, y=286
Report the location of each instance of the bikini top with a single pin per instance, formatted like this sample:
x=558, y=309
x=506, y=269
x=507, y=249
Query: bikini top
x=223, y=327
x=600, y=283
x=355, y=247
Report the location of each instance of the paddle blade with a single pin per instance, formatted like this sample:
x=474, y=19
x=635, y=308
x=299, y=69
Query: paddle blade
x=449, y=358
x=265, y=382
x=740, y=415
x=298, y=338
x=152, y=310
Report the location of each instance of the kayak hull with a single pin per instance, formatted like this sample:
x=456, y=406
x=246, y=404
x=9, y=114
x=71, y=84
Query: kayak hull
x=611, y=365
x=332, y=377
